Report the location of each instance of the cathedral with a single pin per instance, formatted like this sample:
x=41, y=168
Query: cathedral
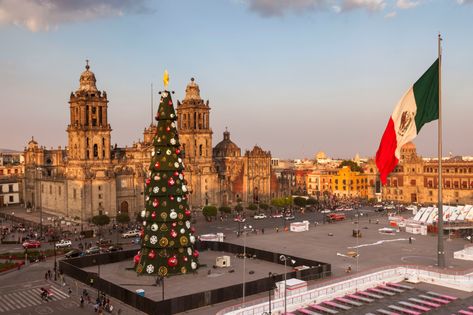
x=90, y=176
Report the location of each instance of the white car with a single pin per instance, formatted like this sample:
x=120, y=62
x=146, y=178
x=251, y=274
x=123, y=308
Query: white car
x=63, y=243
x=260, y=216
x=131, y=234
x=411, y=208
x=326, y=211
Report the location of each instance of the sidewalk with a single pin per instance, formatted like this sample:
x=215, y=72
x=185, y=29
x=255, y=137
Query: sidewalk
x=77, y=287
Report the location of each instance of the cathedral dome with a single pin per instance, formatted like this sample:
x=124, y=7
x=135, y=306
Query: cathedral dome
x=87, y=80
x=226, y=147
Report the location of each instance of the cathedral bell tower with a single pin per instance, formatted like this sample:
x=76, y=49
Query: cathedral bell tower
x=89, y=130
x=195, y=136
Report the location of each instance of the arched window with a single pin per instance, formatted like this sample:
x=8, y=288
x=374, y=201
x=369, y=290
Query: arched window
x=200, y=150
x=87, y=115
x=195, y=120
x=96, y=150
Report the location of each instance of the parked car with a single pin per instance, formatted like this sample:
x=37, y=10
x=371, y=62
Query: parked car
x=93, y=250
x=326, y=211
x=63, y=243
x=74, y=253
x=102, y=242
x=277, y=215
x=114, y=248
x=289, y=217
x=336, y=216
x=31, y=244
x=132, y=233
x=260, y=216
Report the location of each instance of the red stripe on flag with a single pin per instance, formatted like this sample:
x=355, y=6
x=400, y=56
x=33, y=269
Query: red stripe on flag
x=385, y=158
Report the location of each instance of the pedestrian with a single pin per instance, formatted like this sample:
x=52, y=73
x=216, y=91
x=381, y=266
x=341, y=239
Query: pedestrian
x=262, y=231
x=277, y=229
x=369, y=221
x=46, y=276
x=69, y=291
x=410, y=240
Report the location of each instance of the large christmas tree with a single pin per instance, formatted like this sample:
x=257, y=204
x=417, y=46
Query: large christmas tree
x=167, y=246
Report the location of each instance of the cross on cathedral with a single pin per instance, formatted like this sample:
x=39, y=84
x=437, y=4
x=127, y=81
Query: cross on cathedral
x=87, y=64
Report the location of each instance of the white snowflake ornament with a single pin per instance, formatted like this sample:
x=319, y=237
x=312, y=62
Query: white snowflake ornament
x=153, y=239
x=149, y=269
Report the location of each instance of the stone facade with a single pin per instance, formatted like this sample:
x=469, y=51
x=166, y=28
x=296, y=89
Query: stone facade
x=90, y=176
x=415, y=179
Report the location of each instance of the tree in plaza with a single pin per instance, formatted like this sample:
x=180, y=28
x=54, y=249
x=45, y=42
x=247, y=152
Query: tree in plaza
x=123, y=218
x=299, y=201
x=264, y=206
x=238, y=208
x=224, y=209
x=352, y=165
x=209, y=211
x=101, y=220
x=167, y=245
x=252, y=207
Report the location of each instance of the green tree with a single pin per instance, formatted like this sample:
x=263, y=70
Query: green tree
x=282, y=202
x=238, y=208
x=123, y=218
x=311, y=201
x=252, y=207
x=263, y=206
x=101, y=219
x=224, y=209
x=209, y=211
x=299, y=201
x=167, y=246
x=353, y=166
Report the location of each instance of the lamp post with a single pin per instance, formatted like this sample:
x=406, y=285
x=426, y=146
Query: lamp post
x=245, y=229
x=39, y=169
x=271, y=287
x=285, y=258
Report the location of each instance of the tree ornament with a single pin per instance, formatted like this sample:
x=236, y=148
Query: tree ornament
x=152, y=254
x=174, y=224
x=188, y=224
x=193, y=265
x=143, y=213
x=153, y=240
x=153, y=215
x=148, y=181
x=150, y=269
x=185, y=258
x=178, y=151
x=155, y=203
x=168, y=152
x=173, y=141
x=173, y=233
x=195, y=253
x=168, y=129
x=187, y=213
x=176, y=173
x=156, y=189
x=157, y=165
x=171, y=181
x=170, y=103
x=173, y=214
x=192, y=239
x=172, y=261
x=154, y=227
x=171, y=198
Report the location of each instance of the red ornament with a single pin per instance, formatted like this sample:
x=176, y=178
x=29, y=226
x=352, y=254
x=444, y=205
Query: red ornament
x=152, y=254
x=174, y=224
x=142, y=233
x=153, y=214
x=187, y=213
x=148, y=181
x=156, y=165
x=176, y=173
x=171, y=197
x=157, y=116
x=155, y=203
x=178, y=151
x=170, y=102
x=173, y=233
x=192, y=230
x=195, y=253
x=185, y=258
x=171, y=181
x=172, y=261
x=168, y=129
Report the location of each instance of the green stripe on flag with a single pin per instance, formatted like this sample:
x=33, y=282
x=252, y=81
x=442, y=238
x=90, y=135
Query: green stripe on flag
x=426, y=93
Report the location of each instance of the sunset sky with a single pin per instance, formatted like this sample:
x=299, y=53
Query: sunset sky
x=293, y=76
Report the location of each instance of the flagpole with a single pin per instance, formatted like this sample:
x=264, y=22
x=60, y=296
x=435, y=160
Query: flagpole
x=440, y=248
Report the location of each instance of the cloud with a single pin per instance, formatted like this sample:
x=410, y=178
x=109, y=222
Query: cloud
x=271, y=8
x=406, y=4
x=43, y=15
x=465, y=1
x=390, y=15
x=369, y=5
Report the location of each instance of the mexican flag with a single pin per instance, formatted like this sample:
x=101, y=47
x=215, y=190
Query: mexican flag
x=418, y=106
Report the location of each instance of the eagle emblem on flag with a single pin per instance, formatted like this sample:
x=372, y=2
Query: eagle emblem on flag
x=405, y=123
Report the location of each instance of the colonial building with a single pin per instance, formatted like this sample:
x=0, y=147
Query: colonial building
x=415, y=179
x=90, y=176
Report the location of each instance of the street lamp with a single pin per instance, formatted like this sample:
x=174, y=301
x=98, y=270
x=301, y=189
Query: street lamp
x=285, y=258
x=245, y=229
x=271, y=287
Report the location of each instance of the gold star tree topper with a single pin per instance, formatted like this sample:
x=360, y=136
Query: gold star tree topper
x=166, y=79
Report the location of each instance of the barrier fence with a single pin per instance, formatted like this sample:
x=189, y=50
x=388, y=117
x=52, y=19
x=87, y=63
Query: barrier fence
x=72, y=267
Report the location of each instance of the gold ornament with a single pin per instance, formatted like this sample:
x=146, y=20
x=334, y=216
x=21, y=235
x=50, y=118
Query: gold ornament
x=163, y=271
x=164, y=215
x=163, y=242
x=183, y=270
x=180, y=216
x=139, y=268
x=171, y=243
x=163, y=227
x=183, y=240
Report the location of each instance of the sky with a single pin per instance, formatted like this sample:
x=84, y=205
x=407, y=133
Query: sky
x=293, y=76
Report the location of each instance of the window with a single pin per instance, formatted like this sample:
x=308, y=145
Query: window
x=10, y=198
x=1, y=172
x=50, y=189
x=413, y=182
x=59, y=190
x=100, y=187
x=100, y=196
x=10, y=188
x=42, y=188
x=96, y=151
x=74, y=194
